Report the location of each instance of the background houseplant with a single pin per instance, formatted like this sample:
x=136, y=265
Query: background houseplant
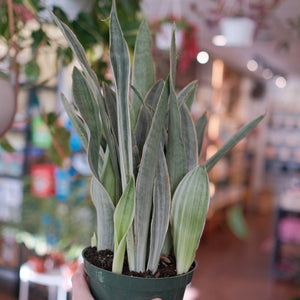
x=150, y=194
x=28, y=39
x=50, y=226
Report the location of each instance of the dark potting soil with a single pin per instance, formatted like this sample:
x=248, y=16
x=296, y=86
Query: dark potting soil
x=104, y=259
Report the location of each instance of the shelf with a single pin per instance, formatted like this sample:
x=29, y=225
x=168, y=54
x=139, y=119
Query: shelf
x=286, y=252
x=8, y=274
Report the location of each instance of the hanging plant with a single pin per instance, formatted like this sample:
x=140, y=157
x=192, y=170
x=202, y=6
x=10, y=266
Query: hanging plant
x=258, y=11
x=186, y=38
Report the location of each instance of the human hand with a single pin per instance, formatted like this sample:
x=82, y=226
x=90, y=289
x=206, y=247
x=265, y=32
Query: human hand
x=80, y=288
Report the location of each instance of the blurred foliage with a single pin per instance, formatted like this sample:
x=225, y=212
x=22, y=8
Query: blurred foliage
x=237, y=222
x=5, y=145
x=48, y=224
x=60, y=148
x=90, y=28
x=32, y=71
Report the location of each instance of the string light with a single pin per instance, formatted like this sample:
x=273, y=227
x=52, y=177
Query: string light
x=252, y=65
x=280, y=82
x=267, y=73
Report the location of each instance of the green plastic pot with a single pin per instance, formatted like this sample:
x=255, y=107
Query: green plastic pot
x=106, y=285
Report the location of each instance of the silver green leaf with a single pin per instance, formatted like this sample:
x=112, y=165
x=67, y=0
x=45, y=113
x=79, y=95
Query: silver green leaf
x=145, y=115
x=173, y=58
x=187, y=94
x=105, y=212
x=119, y=57
x=75, y=45
x=168, y=243
x=200, y=129
x=111, y=108
x=93, y=82
x=89, y=111
x=152, y=97
x=76, y=121
x=188, y=133
x=176, y=158
x=188, y=214
x=161, y=212
x=143, y=68
x=175, y=153
x=123, y=218
x=232, y=142
x=145, y=180
x=108, y=178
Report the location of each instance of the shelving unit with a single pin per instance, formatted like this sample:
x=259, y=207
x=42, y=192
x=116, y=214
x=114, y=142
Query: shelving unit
x=36, y=196
x=283, y=141
x=282, y=151
x=12, y=171
x=286, y=252
x=231, y=176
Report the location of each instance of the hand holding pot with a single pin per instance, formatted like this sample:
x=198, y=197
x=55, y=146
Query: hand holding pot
x=80, y=286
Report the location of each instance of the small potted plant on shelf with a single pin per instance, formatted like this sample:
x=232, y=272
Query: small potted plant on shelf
x=150, y=194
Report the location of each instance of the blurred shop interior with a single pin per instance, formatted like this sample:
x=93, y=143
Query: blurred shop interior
x=255, y=189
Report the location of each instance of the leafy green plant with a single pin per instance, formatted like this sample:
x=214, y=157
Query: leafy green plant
x=150, y=194
x=48, y=225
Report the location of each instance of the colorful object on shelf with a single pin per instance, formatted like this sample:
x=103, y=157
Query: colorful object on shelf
x=74, y=141
x=12, y=154
x=40, y=135
x=83, y=188
x=62, y=183
x=42, y=180
x=11, y=164
x=68, y=181
x=289, y=230
x=11, y=197
x=80, y=163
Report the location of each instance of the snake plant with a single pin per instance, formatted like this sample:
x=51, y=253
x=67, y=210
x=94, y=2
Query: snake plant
x=150, y=194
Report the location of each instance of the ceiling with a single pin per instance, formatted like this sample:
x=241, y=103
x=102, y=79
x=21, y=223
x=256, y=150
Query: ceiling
x=276, y=44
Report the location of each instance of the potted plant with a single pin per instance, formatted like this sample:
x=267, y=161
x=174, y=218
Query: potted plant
x=239, y=20
x=237, y=24
x=238, y=31
x=150, y=194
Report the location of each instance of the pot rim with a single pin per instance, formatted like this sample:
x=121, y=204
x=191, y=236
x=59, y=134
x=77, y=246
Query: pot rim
x=176, y=277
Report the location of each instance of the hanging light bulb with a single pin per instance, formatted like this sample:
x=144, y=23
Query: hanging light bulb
x=252, y=65
x=202, y=57
x=280, y=82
